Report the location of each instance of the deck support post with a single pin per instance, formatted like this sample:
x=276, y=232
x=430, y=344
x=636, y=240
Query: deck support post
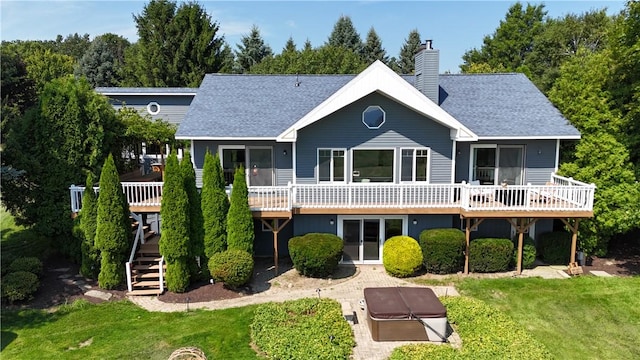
x=521, y=225
x=467, y=235
x=275, y=228
x=574, y=237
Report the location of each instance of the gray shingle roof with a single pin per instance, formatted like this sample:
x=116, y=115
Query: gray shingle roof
x=256, y=106
x=502, y=105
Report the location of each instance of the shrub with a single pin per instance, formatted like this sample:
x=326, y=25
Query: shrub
x=401, y=256
x=28, y=264
x=233, y=267
x=302, y=329
x=486, y=333
x=315, y=254
x=177, y=275
x=240, y=233
x=443, y=250
x=490, y=255
x=215, y=205
x=528, y=252
x=196, y=221
x=19, y=285
x=555, y=247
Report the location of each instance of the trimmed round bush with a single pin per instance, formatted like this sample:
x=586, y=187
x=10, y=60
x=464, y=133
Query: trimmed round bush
x=19, y=285
x=28, y=264
x=490, y=255
x=401, y=256
x=443, y=250
x=316, y=254
x=528, y=252
x=555, y=247
x=233, y=267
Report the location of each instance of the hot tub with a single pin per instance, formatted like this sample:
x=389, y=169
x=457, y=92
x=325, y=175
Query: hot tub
x=394, y=314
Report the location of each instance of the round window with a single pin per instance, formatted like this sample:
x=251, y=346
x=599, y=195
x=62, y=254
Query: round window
x=153, y=108
x=373, y=117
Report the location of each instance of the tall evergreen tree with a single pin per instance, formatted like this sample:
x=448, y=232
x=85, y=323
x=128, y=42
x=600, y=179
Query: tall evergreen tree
x=98, y=65
x=196, y=222
x=406, y=64
x=252, y=51
x=240, y=233
x=344, y=34
x=215, y=206
x=373, y=50
x=113, y=231
x=90, y=266
x=174, y=238
x=177, y=46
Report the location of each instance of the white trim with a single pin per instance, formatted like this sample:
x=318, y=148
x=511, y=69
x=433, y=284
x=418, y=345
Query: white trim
x=454, y=155
x=496, y=181
x=224, y=138
x=381, y=237
x=192, y=154
x=380, y=78
x=395, y=169
x=153, y=103
x=247, y=159
x=414, y=161
x=557, y=164
x=294, y=160
x=551, y=137
x=331, y=172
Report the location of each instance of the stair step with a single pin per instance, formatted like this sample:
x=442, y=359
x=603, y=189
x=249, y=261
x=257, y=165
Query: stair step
x=149, y=267
x=147, y=284
x=154, y=259
x=149, y=275
x=144, y=292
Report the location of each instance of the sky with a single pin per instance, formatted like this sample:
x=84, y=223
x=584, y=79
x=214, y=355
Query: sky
x=454, y=26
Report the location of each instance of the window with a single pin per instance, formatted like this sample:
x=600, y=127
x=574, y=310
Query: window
x=232, y=158
x=331, y=165
x=373, y=117
x=497, y=164
x=153, y=108
x=373, y=165
x=414, y=165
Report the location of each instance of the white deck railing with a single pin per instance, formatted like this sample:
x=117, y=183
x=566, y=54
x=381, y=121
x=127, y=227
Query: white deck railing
x=564, y=195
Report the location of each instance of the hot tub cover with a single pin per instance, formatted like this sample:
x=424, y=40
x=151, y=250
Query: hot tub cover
x=403, y=302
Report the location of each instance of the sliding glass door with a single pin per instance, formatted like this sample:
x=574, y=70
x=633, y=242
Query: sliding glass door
x=364, y=236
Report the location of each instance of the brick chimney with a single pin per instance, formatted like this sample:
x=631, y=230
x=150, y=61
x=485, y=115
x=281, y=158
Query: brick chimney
x=427, y=68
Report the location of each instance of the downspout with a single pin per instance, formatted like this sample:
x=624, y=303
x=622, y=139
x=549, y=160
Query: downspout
x=453, y=161
x=557, y=156
x=294, y=159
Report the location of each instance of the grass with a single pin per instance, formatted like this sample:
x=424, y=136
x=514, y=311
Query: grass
x=121, y=330
x=580, y=318
x=17, y=241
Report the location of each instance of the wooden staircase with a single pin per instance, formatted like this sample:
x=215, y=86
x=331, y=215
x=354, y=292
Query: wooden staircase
x=145, y=268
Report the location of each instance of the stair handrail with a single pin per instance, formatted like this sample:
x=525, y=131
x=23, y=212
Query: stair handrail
x=161, y=277
x=138, y=237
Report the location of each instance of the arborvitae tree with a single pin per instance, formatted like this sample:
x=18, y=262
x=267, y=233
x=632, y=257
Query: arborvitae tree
x=113, y=232
x=215, y=206
x=406, y=64
x=90, y=266
x=196, y=222
x=240, y=234
x=373, y=50
x=344, y=34
x=252, y=51
x=174, y=238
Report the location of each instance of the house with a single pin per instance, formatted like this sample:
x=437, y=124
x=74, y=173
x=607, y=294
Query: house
x=378, y=154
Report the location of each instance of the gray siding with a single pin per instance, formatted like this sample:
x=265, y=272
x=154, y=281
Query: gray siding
x=427, y=68
x=172, y=107
x=402, y=128
x=263, y=243
x=304, y=224
x=428, y=222
x=539, y=159
x=282, y=163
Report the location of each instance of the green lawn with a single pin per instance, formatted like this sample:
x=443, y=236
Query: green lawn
x=19, y=241
x=121, y=330
x=580, y=318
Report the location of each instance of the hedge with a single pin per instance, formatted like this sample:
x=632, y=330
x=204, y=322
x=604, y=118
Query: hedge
x=28, y=264
x=486, y=333
x=528, y=252
x=316, y=254
x=490, y=255
x=443, y=250
x=233, y=267
x=555, y=247
x=401, y=256
x=308, y=328
x=19, y=285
